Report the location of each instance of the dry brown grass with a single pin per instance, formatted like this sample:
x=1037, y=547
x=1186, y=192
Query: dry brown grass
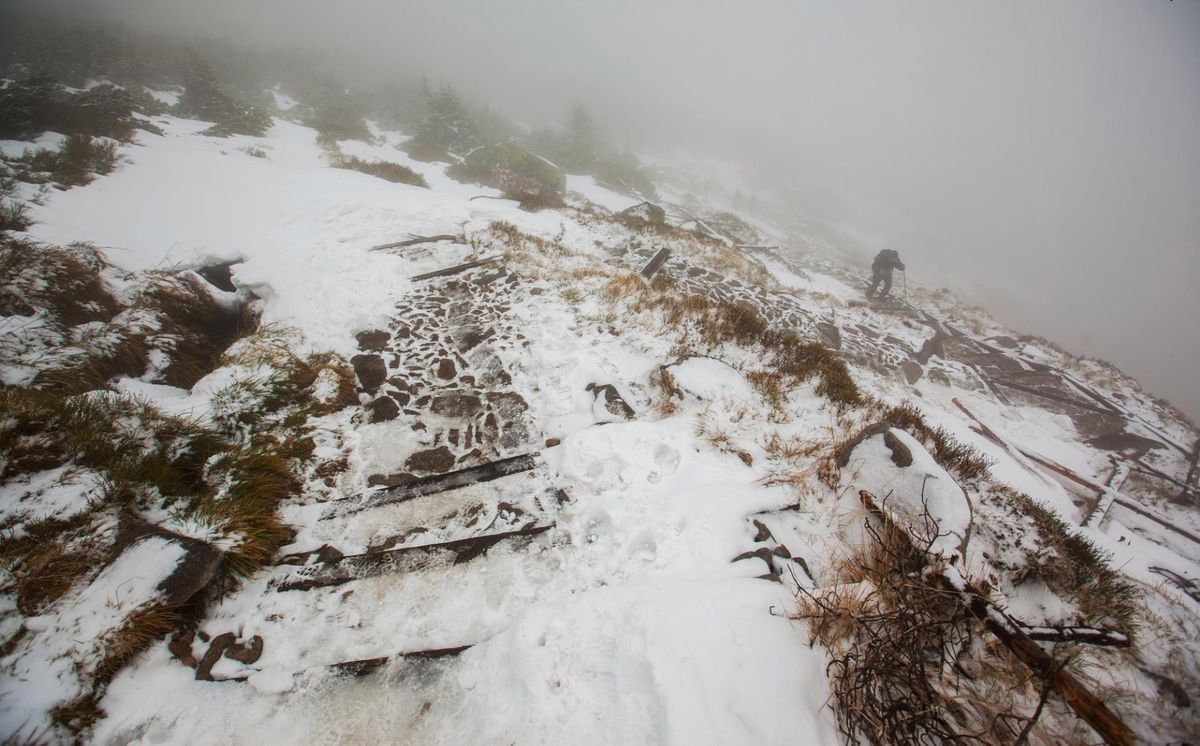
x=79, y=715
x=142, y=628
x=1076, y=569
x=258, y=480
x=194, y=328
x=666, y=400
x=48, y=559
x=624, y=285
x=65, y=282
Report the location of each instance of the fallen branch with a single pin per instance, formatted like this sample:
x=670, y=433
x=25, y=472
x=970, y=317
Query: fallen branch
x=1010, y=632
x=1088, y=635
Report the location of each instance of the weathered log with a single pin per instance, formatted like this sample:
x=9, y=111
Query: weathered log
x=405, y=559
x=1085, y=704
x=435, y=483
x=367, y=666
x=415, y=241
x=455, y=269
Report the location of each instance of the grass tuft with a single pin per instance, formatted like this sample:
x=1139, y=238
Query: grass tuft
x=1073, y=567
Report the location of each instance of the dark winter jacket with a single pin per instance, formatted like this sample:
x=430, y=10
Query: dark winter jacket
x=886, y=261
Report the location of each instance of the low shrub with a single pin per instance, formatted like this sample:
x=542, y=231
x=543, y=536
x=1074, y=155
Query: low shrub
x=243, y=120
x=14, y=215
x=73, y=163
x=517, y=173
x=63, y=282
x=393, y=172
x=37, y=105
x=1073, y=567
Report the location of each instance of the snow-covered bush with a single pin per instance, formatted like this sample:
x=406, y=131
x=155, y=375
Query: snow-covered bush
x=393, y=172
x=516, y=172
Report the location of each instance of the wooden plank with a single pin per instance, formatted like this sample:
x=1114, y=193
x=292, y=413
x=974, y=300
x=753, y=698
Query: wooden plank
x=414, y=242
x=455, y=269
x=1003, y=443
x=1121, y=499
x=656, y=263
x=1081, y=404
x=405, y=559
x=1089, y=635
x=436, y=483
x=1105, y=500
x=1187, y=481
x=367, y=666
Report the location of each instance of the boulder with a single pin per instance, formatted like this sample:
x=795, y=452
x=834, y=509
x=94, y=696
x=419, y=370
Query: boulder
x=431, y=461
x=912, y=371
x=446, y=369
x=382, y=409
x=370, y=369
x=831, y=334
x=373, y=341
x=909, y=484
x=609, y=405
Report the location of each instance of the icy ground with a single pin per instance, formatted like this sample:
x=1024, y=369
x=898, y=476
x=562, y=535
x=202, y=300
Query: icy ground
x=627, y=621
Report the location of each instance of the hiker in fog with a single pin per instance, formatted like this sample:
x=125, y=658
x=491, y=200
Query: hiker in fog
x=881, y=269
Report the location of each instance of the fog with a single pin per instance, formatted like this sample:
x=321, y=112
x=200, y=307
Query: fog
x=1042, y=159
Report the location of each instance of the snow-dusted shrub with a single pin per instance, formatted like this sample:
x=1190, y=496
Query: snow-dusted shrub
x=516, y=172
x=189, y=325
x=14, y=215
x=74, y=163
x=905, y=664
x=62, y=282
x=393, y=172
x=448, y=127
x=205, y=98
x=248, y=120
x=37, y=105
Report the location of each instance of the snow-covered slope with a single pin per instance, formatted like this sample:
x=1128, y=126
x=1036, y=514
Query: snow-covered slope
x=605, y=603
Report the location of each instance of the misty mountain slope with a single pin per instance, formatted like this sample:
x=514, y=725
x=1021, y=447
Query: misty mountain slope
x=696, y=441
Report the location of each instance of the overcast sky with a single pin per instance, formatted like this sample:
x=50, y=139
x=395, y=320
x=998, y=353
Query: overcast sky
x=1042, y=158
